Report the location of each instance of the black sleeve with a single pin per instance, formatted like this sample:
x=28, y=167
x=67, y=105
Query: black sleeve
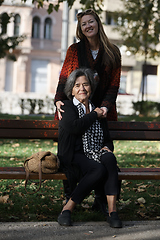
x=71, y=121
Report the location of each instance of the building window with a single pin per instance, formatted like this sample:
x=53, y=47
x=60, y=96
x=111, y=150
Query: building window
x=36, y=27
x=47, y=28
x=9, y=76
x=17, y=21
x=123, y=81
x=75, y=14
x=150, y=79
x=76, y=11
x=39, y=75
x=4, y=21
x=110, y=19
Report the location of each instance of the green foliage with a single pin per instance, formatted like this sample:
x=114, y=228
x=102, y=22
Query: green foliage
x=50, y=8
x=1, y=1
x=8, y=44
x=147, y=108
x=140, y=26
x=94, y=4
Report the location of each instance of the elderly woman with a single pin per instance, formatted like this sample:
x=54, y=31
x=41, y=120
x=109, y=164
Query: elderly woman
x=85, y=148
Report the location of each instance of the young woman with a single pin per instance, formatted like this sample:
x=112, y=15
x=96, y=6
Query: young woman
x=94, y=51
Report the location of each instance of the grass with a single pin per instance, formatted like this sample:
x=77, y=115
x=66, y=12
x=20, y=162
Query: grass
x=140, y=200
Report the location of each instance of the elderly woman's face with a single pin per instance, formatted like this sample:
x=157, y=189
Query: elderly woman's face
x=81, y=89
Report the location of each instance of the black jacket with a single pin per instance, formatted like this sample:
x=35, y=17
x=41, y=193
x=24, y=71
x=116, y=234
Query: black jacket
x=71, y=127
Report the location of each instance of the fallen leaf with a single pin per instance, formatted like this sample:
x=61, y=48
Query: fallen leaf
x=141, y=200
x=154, y=196
x=90, y=199
x=142, y=188
x=20, y=194
x=142, y=214
x=85, y=206
x=16, y=145
x=4, y=199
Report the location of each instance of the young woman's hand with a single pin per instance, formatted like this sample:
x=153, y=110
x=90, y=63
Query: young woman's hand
x=105, y=110
x=99, y=112
x=58, y=105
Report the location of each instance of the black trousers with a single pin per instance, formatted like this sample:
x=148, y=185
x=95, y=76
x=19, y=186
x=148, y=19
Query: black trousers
x=96, y=176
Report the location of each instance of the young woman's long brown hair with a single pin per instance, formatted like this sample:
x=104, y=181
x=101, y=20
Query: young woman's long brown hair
x=112, y=55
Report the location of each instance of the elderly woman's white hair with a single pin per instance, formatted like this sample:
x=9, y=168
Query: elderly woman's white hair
x=88, y=73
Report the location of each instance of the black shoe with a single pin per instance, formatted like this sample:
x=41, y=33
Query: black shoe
x=114, y=220
x=100, y=205
x=64, y=218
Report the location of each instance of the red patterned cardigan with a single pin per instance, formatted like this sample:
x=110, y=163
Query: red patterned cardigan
x=108, y=82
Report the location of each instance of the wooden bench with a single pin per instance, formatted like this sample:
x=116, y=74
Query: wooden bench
x=48, y=129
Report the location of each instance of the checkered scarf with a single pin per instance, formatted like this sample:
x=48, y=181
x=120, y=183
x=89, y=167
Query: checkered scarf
x=92, y=138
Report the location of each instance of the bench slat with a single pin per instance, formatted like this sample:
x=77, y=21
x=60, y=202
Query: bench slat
x=135, y=135
x=53, y=134
x=48, y=129
x=126, y=173
x=19, y=173
x=28, y=134
x=53, y=124
x=139, y=175
x=29, y=124
x=34, y=176
x=137, y=126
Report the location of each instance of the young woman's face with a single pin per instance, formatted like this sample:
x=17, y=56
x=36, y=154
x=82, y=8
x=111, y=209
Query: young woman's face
x=89, y=26
x=81, y=89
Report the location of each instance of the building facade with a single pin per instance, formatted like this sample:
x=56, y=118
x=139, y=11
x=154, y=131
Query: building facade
x=38, y=58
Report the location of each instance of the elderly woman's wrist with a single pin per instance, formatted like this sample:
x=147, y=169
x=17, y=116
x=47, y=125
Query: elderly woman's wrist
x=95, y=113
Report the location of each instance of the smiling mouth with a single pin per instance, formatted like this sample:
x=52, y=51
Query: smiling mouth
x=83, y=93
x=91, y=29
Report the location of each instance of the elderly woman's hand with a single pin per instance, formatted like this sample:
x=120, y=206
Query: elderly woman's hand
x=105, y=148
x=99, y=112
x=58, y=105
